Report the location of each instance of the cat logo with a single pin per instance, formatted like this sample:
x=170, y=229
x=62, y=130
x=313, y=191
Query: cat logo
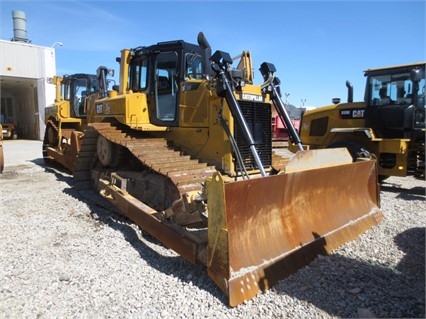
x=352, y=114
x=252, y=97
x=358, y=113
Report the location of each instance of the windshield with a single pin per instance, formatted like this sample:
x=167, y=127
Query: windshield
x=391, y=89
x=397, y=88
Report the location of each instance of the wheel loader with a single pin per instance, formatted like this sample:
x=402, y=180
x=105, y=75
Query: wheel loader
x=183, y=148
x=389, y=124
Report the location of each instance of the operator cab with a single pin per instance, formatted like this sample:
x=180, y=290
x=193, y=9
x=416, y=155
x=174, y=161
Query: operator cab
x=76, y=88
x=395, y=99
x=159, y=70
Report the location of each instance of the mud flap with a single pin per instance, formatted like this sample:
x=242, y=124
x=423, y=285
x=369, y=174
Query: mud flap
x=261, y=230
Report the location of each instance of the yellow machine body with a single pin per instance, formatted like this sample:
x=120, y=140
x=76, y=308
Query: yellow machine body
x=191, y=162
x=65, y=118
x=390, y=127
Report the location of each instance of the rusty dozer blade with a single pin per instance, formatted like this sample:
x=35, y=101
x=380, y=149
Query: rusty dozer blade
x=263, y=229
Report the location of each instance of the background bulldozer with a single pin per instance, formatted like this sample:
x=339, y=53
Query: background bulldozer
x=389, y=124
x=183, y=148
x=65, y=119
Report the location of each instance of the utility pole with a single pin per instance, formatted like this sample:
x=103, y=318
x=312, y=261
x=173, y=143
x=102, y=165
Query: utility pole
x=286, y=97
x=303, y=101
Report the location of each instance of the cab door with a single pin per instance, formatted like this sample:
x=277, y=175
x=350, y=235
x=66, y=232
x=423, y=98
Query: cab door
x=165, y=91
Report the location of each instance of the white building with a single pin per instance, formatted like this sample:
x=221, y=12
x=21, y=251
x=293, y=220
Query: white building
x=24, y=91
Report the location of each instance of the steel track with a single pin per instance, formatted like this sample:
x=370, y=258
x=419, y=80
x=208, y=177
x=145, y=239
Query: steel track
x=154, y=153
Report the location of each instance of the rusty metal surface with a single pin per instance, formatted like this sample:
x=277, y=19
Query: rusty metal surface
x=177, y=239
x=305, y=160
x=66, y=156
x=291, y=217
x=259, y=230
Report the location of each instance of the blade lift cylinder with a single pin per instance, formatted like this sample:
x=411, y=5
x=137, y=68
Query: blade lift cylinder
x=272, y=82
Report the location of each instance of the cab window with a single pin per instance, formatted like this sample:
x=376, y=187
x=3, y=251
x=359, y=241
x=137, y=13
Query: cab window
x=193, y=66
x=138, y=75
x=166, y=86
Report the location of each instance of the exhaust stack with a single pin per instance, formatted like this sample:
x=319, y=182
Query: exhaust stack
x=350, y=92
x=19, y=27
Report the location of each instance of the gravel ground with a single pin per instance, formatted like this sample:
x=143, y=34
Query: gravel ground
x=64, y=255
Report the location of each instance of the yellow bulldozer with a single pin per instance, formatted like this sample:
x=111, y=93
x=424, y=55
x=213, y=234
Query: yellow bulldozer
x=389, y=124
x=65, y=119
x=183, y=148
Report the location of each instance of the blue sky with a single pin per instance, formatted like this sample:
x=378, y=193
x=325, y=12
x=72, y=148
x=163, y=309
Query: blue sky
x=315, y=45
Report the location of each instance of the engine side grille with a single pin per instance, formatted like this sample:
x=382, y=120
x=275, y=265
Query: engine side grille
x=319, y=127
x=258, y=118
